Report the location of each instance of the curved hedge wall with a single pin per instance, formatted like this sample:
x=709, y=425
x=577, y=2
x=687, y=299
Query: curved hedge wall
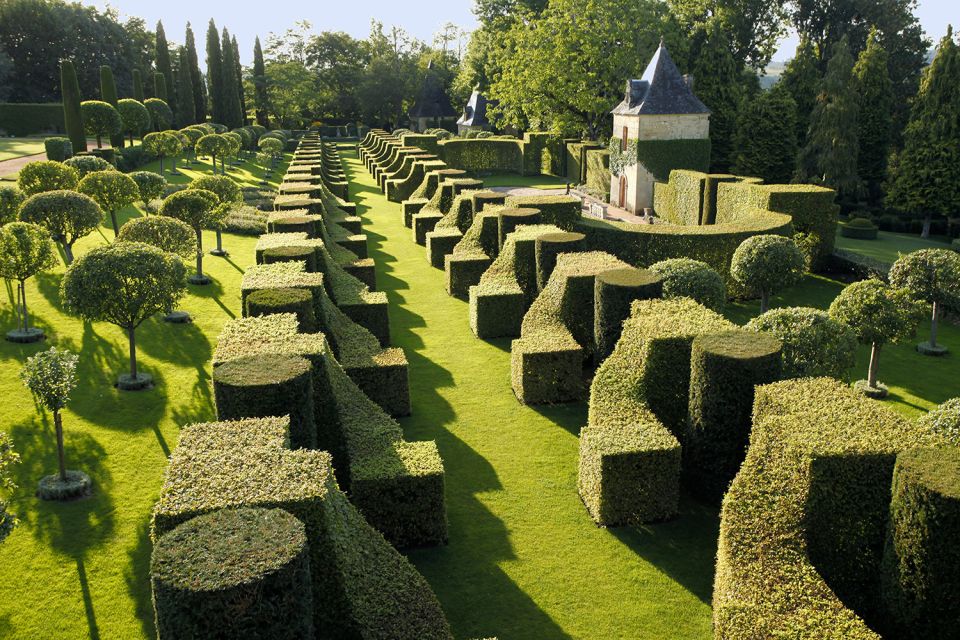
x=488, y=155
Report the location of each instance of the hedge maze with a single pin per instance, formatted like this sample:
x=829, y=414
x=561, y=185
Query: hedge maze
x=304, y=388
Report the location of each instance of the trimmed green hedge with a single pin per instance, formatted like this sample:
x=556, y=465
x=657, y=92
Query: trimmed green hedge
x=549, y=246
x=613, y=294
x=561, y=210
x=629, y=453
x=803, y=524
x=400, y=190
x=25, y=119
x=598, y=173
x=233, y=573
x=488, y=155
x=296, y=301
x=576, y=163
x=427, y=142
x=860, y=229
x=362, y=587
x=661, y=157
x=472, y=256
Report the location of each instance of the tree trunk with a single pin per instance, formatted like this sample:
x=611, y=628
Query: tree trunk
x=173, y=160
x=764, y=301
x=58, y=426
x=68, y=253
x=23, y=305
x=874, y=365
x=214, y=160
x=199, y=253
x=933, y=325
x=926, y=226
x=99, y=146
x=131, y=334
x=219, y=242
x=116, y=227
x=161, y=165
x=131, y=138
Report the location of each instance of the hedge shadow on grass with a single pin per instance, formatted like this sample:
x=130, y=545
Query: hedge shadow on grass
x=137, y=577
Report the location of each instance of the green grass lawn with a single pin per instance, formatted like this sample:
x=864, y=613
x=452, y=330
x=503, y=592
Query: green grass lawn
x=80, y=569
x=17, y=147
x=888, y=246
x=524, y=559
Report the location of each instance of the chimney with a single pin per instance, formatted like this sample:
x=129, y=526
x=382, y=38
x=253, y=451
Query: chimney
x=688, y=79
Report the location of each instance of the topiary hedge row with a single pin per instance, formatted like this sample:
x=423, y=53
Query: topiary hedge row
x=25, y=119
x=561, y=210
x=484, y=155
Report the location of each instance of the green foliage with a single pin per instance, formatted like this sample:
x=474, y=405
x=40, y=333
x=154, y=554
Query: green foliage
x=162, y=144
x=296, y=301
x=661, y=157
x=767, y=264
x=876, y=312
x=135, y=116
x=88, y=164
x=168, y=234
x=58, y=148
x=213, y=145
x=111, y=190
x=44, y=175
x=231, y=115
x=270, y=145
x=687, y=278
x=814, y=344
x=196, y=207
x=718, y=86
x=8, y=458
x=483, y=155
x=151, y=185
x=561, y=210
x=10, y=200
x=203, y=570
x=859, y=228
x=766, y=141
x=944, y=420
x=198, y=90
x=160, y=113
x=108, y=93
x=800, y=79
x=66, y=215
x=100, y=119
x=24, y=119
x=25, y=251
x=73, y=116
x=930, y=275
x=51, y=376
x=226, y=189
x=874, y=115
x=598, y=173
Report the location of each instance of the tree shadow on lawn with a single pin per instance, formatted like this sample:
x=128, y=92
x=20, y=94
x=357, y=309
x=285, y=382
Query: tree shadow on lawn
x=137, y=577
x=214, y=291
x=181, y=344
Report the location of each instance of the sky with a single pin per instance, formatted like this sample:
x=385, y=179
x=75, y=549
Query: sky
x=246, y=19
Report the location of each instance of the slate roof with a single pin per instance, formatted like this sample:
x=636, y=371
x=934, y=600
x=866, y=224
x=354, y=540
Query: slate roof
x=660, y=91
x=475, y=113
x=432, y=101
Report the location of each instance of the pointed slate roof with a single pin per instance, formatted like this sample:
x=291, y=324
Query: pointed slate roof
x=660, y=91
x=432, y=101
x=475, y=113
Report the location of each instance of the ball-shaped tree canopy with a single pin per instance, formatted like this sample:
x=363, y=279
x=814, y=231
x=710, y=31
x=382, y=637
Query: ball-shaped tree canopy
x=100, y=118
x=212, y=145
x=270, y=145
x=46, y=175
x=169, y=234
x=931, y=275
x=217, y=127
x=687, y=278
x=88, y=164
x=767, y=264
x=192, y=206
x=66, y=215
x=945, y=420
x=135, y=116
x=813, y=343
x=235, y=142
x=246, y=137
x=160, y=113
x=10, y=200
x=112, y=190
x=151, y=185
x=877, y=312
x=225, y=188
x=25, y=250
x=192, y=134
x=162, y=144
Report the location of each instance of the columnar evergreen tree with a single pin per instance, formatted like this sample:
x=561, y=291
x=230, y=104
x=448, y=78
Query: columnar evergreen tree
x=215, y=72
x=138, y=94
x=718, y=86
x=186, y=114
x=926, y=178
x=260, y=85
x=162, y=57
x=766, y=141
x=874, y=118
x=830, y=154
x=239, y=71
x=196, y=78
x=73, y=120
x=160, y=87
x=108, y=93
x=231, y=92
x=800, y=78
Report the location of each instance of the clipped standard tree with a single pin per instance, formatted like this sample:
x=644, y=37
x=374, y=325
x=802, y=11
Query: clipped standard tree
x=66, y=215
x=8, y=458
x=10, y=200
x=150, y=184
x=136, y=118
x=100, y=119
x=688, y=278
x=931, y=276
x=124, y=284
x=25, y=251
x=214, y=146
x=767, y=264
x=46, y=175
x=160, y=113
x=878, y=314
x=814, y=344
x=229, y=194
x=111, y=190
x=162, y=144
x=51, y=376
x=199, y=209
x=168, y=234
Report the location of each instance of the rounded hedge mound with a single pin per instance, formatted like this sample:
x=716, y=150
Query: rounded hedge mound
x=293, y=224
x=687, y=278
x=297, y=301
x=233, y=573
x=859, y=228
x=292, y=254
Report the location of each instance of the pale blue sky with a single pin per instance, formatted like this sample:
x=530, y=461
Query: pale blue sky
x=247, y=19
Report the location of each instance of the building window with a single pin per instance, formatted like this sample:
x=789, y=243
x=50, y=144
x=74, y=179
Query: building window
x=623, y=140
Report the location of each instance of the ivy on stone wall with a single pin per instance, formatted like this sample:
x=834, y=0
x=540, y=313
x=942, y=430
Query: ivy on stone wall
x=660, y=157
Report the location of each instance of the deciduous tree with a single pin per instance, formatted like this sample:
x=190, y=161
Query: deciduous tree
x=931, y=276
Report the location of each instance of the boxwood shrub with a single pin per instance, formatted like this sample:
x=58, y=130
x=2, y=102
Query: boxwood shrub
x=58, y=148
x=859, y=228
x=296, y=301
x=473, y=254
x=614, y=293
x=551, y=245
x=483, y=155
x=561, y=210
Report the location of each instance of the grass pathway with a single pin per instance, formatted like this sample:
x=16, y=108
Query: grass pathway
x=524, y=559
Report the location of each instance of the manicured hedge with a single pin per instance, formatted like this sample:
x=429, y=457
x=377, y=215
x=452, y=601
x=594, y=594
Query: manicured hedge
x=362, y=587
x=576, y=164
x=598, y=173
x=488, y=155
x=425, y=141
x=629, y=452
x=233, y=573
x=296, y=301
x=614, y=293
x=58, y=148
x=803, y=524
x=25, y=119
x=472, y=256
x=549, y=246
x=860, y=229
x=661, y=157
x=400, y=190
x=561, y=210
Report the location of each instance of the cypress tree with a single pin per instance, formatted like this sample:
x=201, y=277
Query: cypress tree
x=239, y=70
x=214, y=72
x=108, y=93
x=800, y=78
x=875, y=116
x=72, y=118
x=766, y=140
x=260, y=85
x=185, y=103
x=138, y=94
x=196, y=79
x=718, y=86
x=926, y=177
x=231, y=94
x=160, y=86
x=163, y=66
x=830, y=154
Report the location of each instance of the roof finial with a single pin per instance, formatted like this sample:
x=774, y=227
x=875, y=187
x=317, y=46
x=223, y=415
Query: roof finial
x=661, y=40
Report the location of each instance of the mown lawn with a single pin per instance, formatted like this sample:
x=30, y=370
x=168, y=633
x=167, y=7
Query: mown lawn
x=19, y=147
x=79, y=570
x=888, y=246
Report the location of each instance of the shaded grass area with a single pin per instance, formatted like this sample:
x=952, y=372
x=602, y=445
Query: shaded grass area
x=19, y=147
x=888, y=246
x=524, y=559
x=80, y=569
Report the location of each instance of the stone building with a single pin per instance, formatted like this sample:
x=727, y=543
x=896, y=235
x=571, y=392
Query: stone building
x=474, y=116
x=660, y=106
x=432, y=110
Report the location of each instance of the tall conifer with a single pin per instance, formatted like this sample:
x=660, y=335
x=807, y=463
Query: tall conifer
x=186, y=115
x=73, y=120
x=196, y=78
x=138, y=94
x=108, y=93
x=801, y=77
x=239, y=71
x=766, y=141
x=215, y=72
x=231, y=94
x=875, y=116
x=717, y=85
x=164, y=66
x=260, y=85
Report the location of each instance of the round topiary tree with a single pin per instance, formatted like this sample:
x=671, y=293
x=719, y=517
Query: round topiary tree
x=162, y=144
x=271, y=148
x=161, y=116
x=25, y=251
x=111, y=190
x=135, y=117
x=235, y=144
x=767, y=264
x=878, y=314
x=100, y=119
x=687, y=278
x=8, y=458
x=51, y=376
x=151, y=185
x=199, y=209
x=66, y=215
x=85, y=165
x=190, y=136
x=944, y=420
x=814, y=344
x=213, y=146
x=168, y=234
x=10, y=200
x=229, y=193
x=931, y=276
x=45, y=175
x=124, y=284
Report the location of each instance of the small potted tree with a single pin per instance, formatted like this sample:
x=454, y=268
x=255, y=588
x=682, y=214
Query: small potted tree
x=25, y=251
x=51, y=376
x=931, y=276
x=111, y=190
x=766, y=265
x=66, y=215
